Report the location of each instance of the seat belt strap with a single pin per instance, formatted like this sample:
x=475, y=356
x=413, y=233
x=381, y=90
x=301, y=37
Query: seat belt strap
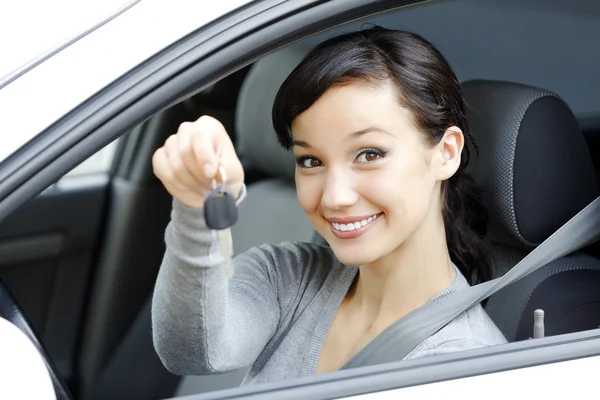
x=402, y=337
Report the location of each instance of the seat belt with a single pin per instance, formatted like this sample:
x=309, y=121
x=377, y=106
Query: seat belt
x=402, y=337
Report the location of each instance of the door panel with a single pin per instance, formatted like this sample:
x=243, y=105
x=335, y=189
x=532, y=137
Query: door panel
x=47, y=250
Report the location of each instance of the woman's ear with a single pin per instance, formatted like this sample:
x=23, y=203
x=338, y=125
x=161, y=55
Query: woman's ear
x=449, y=151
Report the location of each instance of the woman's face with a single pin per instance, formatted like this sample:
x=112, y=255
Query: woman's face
x=365, y=176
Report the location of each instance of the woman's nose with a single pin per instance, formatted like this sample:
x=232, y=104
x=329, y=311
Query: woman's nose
x=338, y=191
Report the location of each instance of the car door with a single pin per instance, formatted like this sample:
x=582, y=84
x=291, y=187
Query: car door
x=515, y=370
x=52, y=246
x=48, y=245
x=47, y=253
x=83, y=124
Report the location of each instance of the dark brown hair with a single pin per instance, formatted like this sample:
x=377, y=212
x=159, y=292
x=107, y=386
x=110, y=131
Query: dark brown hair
x=428, y=87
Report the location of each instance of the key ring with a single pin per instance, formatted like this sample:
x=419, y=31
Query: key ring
x=222, y=175
x=221, y=170
x=220, y=211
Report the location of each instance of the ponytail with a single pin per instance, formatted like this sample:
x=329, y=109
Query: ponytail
x=466, y=221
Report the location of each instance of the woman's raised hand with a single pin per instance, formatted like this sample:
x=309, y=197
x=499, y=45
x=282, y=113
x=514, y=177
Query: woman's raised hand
x=189, y=160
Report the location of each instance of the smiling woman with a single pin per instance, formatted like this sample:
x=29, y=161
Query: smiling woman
x=376, y=122
x=393, y=107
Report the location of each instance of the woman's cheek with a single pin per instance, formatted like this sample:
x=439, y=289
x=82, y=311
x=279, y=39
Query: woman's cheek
x=308, y=192
x=380, y=186
x=391, y=190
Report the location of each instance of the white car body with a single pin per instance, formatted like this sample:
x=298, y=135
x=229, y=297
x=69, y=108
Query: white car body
x=551, y=381
x=94, y=61
x=68, y=78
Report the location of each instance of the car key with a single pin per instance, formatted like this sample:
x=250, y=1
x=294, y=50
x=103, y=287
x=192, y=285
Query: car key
x=220, y=213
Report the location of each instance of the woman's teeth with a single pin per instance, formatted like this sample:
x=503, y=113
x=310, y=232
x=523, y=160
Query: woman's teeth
x=353, y=225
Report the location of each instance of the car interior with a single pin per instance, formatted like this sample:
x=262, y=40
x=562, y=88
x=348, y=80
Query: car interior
x=81, y=258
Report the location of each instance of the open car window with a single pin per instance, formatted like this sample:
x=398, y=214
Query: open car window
x=116, y=225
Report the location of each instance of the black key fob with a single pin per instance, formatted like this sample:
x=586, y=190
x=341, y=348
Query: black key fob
x=220, y=211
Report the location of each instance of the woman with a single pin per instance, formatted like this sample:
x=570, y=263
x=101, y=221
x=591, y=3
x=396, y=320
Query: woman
x=377, y=124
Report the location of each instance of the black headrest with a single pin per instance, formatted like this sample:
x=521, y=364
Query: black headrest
x=533, y=160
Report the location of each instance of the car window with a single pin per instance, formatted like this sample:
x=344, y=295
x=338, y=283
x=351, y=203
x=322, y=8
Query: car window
x=99, y=162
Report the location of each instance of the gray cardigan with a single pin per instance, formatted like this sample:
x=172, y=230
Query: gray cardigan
x=273, y=315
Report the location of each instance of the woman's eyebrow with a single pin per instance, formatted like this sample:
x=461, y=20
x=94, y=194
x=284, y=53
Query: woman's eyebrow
x=351, y=135
x=301, y=143
x=357, y=134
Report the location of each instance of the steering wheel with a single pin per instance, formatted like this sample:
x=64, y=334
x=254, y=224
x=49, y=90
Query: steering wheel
x=10, y=310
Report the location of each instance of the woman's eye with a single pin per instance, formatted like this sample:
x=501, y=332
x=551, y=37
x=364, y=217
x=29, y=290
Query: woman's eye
x=368, y=156
x=308, y=162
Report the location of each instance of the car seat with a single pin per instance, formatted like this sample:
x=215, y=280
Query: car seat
x=537, y=170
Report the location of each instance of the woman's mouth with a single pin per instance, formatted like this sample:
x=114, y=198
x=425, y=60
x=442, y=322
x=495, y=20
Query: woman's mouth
x=349, y=228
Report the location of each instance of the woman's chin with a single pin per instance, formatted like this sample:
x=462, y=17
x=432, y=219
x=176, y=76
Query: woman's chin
x=353, y=257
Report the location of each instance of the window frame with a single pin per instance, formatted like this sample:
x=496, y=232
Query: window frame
x=423, y=371
x=187, y=67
